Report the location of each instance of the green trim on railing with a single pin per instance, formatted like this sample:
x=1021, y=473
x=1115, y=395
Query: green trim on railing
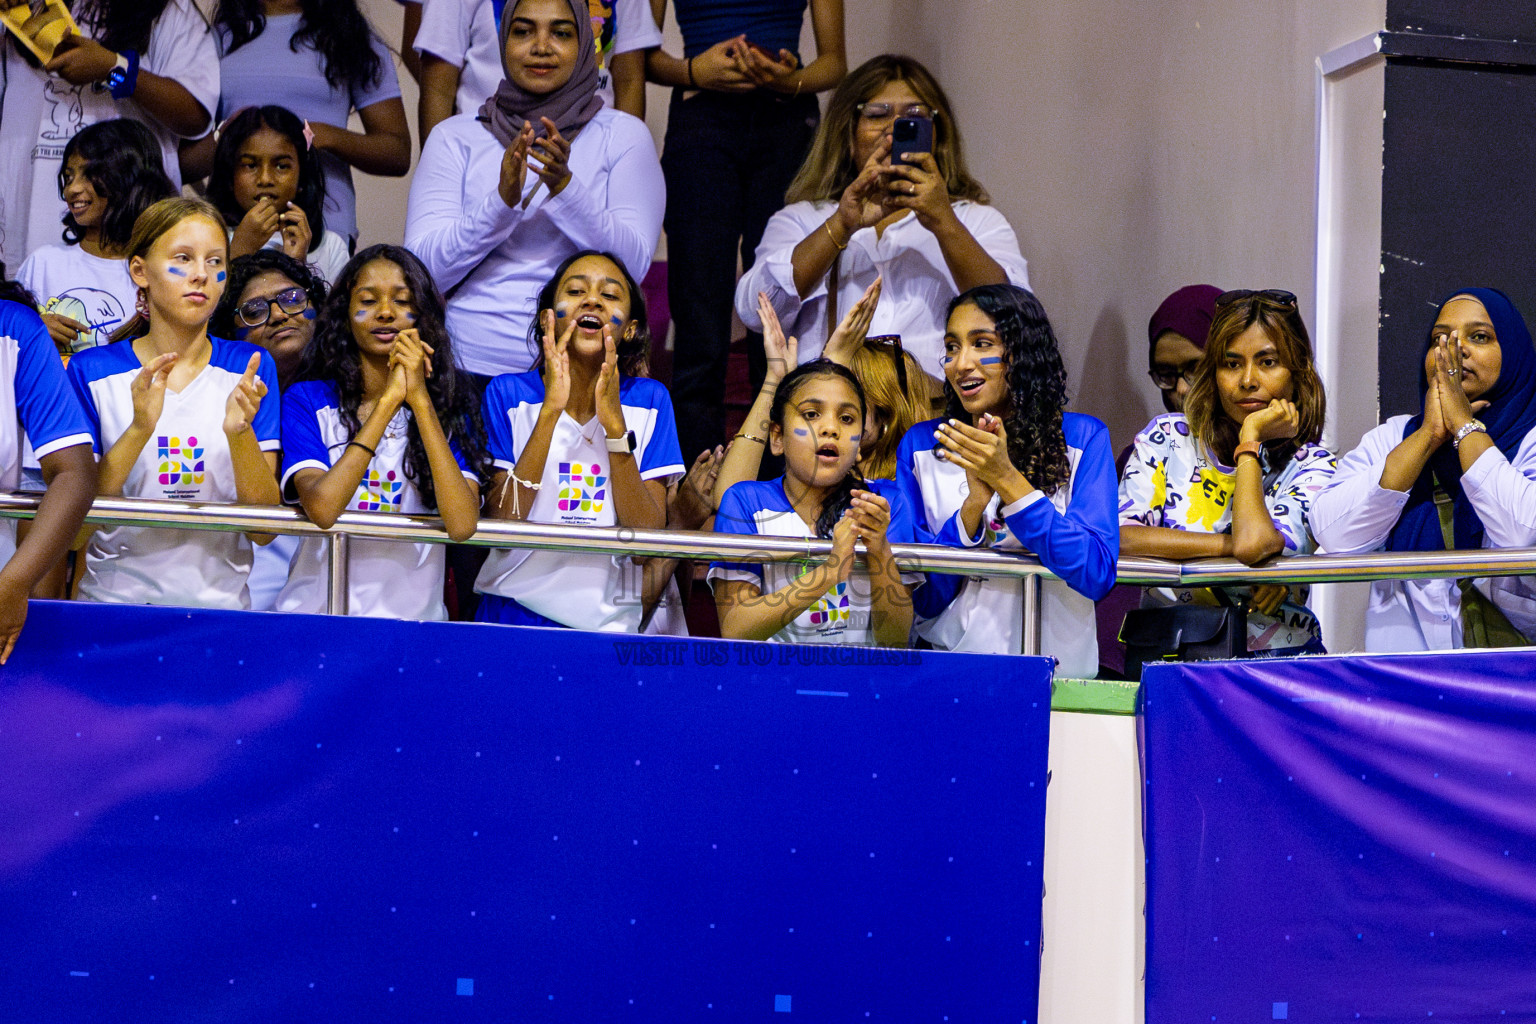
x=1094, y=696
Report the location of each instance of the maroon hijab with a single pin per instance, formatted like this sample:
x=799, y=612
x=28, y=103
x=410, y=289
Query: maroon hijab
x=1188, y=311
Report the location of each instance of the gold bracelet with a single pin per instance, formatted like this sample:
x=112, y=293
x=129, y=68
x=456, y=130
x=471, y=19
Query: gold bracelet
x=752, y=437
x=828, y=225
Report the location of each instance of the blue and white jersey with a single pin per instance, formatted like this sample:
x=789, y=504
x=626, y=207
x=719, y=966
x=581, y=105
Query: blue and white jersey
x=1074, y=533
x=842, y=615
x=186, y=459
x=385, y=579
x=32, y=384
x=600, y=592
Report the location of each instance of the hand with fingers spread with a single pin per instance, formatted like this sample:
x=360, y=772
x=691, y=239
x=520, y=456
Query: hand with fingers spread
x=917, y=185
x=782, y=353
x=411, y=359
x=260, y=223
x=297, y=234
x=149, y=391
x=551, y=153
x=244, y=400
x=851, y=331
x=862, y=203
x=1275, y=422
x=557, y=364
x=514, y=167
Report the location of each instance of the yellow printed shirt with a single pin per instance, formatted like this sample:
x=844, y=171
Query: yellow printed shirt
x=1172, y=481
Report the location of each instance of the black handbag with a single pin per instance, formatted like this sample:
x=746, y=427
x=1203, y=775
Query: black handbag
x=1183, y=632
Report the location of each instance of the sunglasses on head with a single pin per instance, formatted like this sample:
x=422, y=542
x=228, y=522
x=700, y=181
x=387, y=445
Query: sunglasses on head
x=892, y=343
x=255, y=312
x=1279, y=296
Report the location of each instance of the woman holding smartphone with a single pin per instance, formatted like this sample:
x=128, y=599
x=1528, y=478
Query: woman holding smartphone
x=921, y=223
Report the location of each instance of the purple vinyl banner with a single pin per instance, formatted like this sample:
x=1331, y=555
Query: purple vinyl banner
x=1341, y=839
x=240, y=818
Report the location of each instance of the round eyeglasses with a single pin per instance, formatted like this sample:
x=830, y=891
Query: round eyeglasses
x=255, y=312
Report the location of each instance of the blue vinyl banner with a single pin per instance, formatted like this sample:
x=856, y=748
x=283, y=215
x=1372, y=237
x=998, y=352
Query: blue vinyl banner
x=237, y=817
x=1342, y=839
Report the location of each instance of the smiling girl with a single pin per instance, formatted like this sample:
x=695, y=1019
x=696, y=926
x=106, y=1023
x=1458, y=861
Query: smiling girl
x=178, y=415
x=583, y=440
x=1235, y=474
x=269, y=184
x=1010, y=469
x=503, y=195
x=1458, y=475
x=817, y=423
x=385, y=423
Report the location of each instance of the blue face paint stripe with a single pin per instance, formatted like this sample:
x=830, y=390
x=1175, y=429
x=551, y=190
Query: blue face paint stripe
x=176, y=270
x=990, y=360
x=309, y=312
x=220, y=276
x=802, y=432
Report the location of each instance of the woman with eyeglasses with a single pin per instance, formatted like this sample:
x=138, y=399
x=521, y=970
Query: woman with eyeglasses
x=271, y=300
x=1457, y=476
x=1177, y=333
x=1235, y=473
x=856, y=212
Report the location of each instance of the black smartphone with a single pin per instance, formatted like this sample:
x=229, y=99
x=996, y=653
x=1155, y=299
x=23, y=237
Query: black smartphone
x=911, y=135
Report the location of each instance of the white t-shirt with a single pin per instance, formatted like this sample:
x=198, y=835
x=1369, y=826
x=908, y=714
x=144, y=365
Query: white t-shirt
x=385, y=579
x=186, y=460
x=493, y=258
x=67, y=280
x=267, y=70
x=41, y=113
x=33, y=395
x=600, y=592
x=843, y=614
x=328, y=257
x=464, y=33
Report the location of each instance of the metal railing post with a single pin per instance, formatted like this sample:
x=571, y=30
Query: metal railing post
x=1031, y=645
x=336, y=574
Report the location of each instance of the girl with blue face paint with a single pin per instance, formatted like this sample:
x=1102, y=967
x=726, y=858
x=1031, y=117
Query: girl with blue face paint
x=1009, y=468
x=178, y=415
x=816, y=424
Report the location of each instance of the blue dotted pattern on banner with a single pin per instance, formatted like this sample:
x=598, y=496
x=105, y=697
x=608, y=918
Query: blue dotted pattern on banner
x=232, y=817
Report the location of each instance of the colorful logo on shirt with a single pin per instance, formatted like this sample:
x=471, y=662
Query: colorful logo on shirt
x=1210, y=498
x=377, y=493
x=601, y=12
x=181, y=462
x=583, y=488
x=831, y=612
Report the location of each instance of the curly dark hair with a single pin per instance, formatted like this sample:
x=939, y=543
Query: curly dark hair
x=124, y=165
x=840, y=498
x=634, y=352
x=243, y=268
x=14, y=291
x=336, y=29
x=119, y=24
x=332, y=356
x=1037, y=383
x=310, y=196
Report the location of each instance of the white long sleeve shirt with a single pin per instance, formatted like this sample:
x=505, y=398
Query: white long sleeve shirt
x=917, y=287
x=1355, y=513
x=492, y=259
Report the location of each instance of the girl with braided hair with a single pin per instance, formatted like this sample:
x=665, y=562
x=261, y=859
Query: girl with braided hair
x=1009, y=468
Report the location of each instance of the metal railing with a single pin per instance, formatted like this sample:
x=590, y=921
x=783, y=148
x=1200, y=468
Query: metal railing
x=497, y=533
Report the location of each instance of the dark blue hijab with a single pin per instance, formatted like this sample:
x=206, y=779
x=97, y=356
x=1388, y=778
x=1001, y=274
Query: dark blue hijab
x=1510, y=416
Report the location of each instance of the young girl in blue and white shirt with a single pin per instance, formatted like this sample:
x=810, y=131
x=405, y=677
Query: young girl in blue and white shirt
x=385, y=423
x=1008, y=468
x=178, y=415
x=583, y=439
x=817, y=423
